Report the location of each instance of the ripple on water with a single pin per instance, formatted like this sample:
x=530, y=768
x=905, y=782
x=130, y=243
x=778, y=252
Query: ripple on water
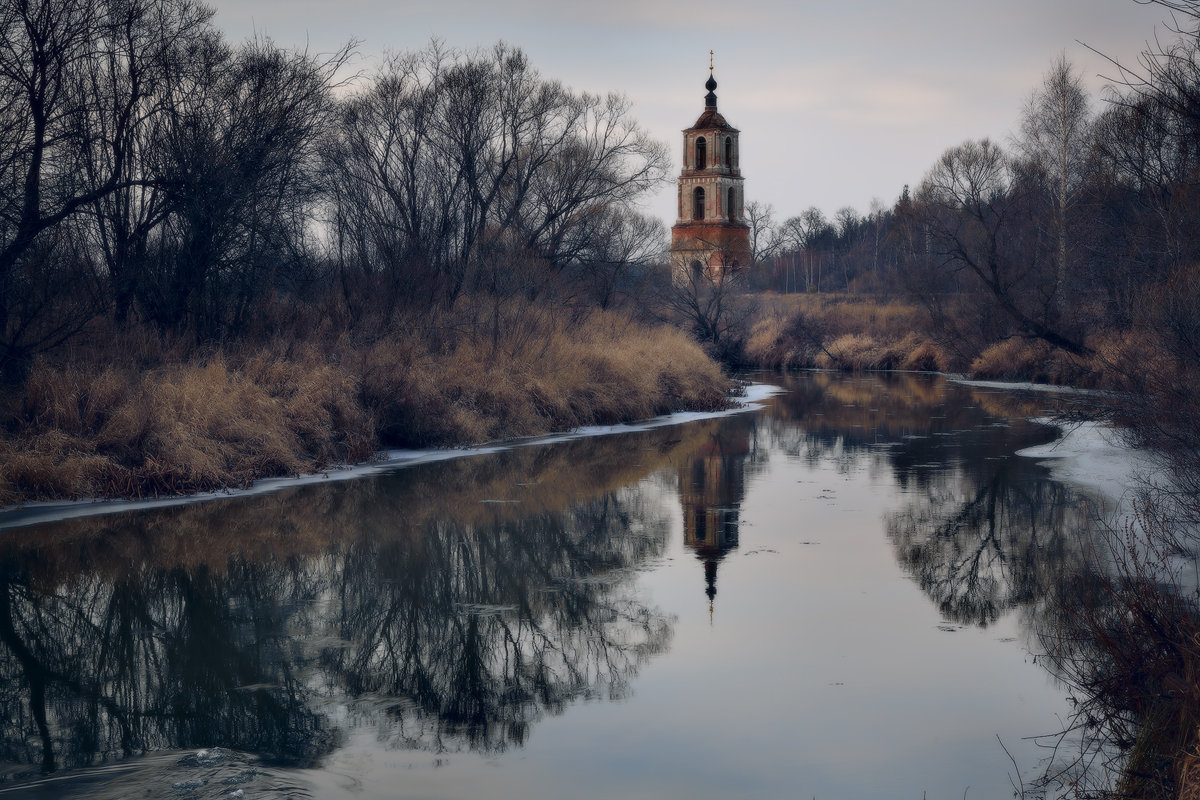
x=209, y=774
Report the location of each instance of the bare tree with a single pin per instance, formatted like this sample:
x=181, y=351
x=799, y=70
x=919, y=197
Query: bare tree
x=157, y=39
x=241, y=160
x=877, y=217
x=976, y=219
x=76, y=80
x=847, y=222
x=622, y=244
x=449, y=159
x=1169, y=74
x=765, y=236
x=1055, y=131
x=708, y=302
x=1148, y=141
x=804, y=235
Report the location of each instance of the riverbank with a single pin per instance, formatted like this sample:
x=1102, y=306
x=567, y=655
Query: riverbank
x=1127, y=637
x=139, y=417
x=863, y=332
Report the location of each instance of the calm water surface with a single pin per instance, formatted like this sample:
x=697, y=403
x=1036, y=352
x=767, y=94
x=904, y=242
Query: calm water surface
x=832, y=597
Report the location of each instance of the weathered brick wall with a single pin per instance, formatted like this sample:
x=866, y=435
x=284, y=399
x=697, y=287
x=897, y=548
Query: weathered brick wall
x=717, y=238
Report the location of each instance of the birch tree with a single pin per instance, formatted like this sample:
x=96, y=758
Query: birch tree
x=1055, y=129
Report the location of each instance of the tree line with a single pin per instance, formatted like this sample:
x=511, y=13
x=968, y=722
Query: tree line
x=153, y=173
x=1069, y=227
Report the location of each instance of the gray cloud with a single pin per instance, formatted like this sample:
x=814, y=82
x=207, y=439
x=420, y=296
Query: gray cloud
x=838, y=103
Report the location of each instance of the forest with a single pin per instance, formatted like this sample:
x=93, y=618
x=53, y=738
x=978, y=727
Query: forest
x=1076, y=236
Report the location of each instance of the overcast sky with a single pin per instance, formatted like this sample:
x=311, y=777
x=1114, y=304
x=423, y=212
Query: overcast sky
x=838, y=103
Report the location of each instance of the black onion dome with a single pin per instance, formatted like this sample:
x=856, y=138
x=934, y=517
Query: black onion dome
x=710, y=99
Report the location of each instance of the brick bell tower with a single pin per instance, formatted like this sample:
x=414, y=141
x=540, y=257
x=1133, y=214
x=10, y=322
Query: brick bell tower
x=710, y=237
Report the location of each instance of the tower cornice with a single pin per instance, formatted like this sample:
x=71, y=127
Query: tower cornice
x=711, y=120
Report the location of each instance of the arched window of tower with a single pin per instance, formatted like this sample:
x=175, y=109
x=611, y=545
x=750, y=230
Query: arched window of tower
x=698, y=203
x=697, y=268
x=729, y=151
x=732, y=209
x=701, y=153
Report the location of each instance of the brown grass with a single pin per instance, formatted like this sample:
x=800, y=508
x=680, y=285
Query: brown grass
x=859, y=332
x=599, y=369
x=841, y=332
x=250, y=526
x=141, y=423
x=1030, y=360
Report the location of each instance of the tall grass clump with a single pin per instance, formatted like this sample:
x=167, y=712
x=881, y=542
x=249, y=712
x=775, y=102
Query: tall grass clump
x=844, y=332
x=159, y=418
x=861, y=332
x=542, y=373
x=202, y=425
x=1026, y=359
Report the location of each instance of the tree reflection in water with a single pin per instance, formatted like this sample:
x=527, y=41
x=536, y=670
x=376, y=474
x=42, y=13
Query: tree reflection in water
x=478, y=631
x=983, y=531
x=450, y=605
x=453, y=605
x=980, y=549
x=155, y=658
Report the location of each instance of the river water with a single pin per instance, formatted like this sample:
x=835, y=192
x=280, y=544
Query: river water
x=834, y=596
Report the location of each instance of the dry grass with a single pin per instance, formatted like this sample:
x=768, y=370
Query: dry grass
x=545, y=374
x=123, y=428
x=841, y=332
x=1030, y=360
x=180, y=428
x=850, y=332
x=208, y=534
x=1115, y=355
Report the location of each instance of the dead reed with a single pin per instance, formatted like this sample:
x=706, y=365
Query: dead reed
x=155, y=418
x=860, y=332
x=846, y=332
x=1125, y=637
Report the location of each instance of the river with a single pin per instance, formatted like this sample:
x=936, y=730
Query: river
x=836, y=595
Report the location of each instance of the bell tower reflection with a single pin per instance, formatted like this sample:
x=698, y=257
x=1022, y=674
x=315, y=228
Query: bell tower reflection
x=712, y=485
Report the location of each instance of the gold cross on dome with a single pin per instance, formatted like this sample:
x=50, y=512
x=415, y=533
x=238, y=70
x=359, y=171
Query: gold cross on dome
x=710, y=55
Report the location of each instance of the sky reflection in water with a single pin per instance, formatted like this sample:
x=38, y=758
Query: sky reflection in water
x=826, y=598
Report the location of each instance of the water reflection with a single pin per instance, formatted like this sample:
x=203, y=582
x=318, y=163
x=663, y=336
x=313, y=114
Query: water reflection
x=473, y=633
x=982, y=530
x=980, y=545
x=452, y=606
x=712, y=485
